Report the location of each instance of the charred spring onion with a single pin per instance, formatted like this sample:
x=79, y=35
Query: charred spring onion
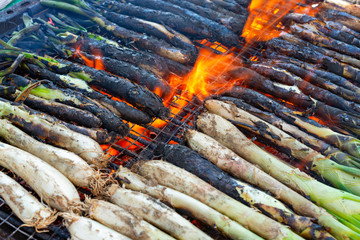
x=342, y=177
x=343, y=205
x=228, y=161
x=155, y=212
x=169, y=175
x=25, y=206
x=155, y=45
x=68, y=163
x=38, y=125
x=82, y=228
x=122, y=221
x=346, y=143
x=53, y=187
x=184, y=202
x=309, y=140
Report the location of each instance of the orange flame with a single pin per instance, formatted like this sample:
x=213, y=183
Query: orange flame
x=129, y=143
x=205, y=78
x=96, y=63
x=51, y=22
x=110, y=152
x=263, y=22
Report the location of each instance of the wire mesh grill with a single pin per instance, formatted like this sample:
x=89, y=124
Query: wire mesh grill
x=138, y=145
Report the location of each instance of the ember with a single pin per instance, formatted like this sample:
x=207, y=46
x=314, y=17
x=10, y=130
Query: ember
x=97, y=63
x=50, y=21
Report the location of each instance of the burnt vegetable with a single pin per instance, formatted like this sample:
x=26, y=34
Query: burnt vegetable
x=344, y=18
x=51, y=92
x=199, y=166
x=62, y=111
x=135, y=74
x=152, y=62
x=141, y=41
x=47, y=128
x=154, y=29
x=217, y=31
x=309, y=140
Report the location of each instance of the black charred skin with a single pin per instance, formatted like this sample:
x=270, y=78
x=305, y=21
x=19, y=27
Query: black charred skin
x=319, y=81
x=192, y=25
x=136, y=95
x=33, y=129
x=258, y=100
x=256, y=81
x=109, y=120
x=244, y=3
x=143, y=27
x=271, y=72
x=337, y=34
x=151, y=62
x=288, y=19
x=62, y=111
x=265, y=115
x=217, y=31
x=312, y=70
x=149, y=43
x=234, y=21
x=38, y=130
x=344, y=18
x=236, y=6
x=184, y=25
x=137, y=58
x=135, y=74
x=233, y=6
x=312, y=231
x=328, y=42
x=17, y=81
x=321, y=94
x=227, y=8
x=324, y=112
x=193, y=162
x=29, y=126
x=342, y=28
x=333, y=115
x=100, y=135
x=126, y=111
x=262, y=102
x=6, y=90
x=308, y=54
x=273, y=119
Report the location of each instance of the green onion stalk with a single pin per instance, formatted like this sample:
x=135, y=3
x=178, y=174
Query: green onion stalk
x=343, y=205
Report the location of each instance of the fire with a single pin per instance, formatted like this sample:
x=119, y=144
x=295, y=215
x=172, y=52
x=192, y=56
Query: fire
x=129, y=143
x=214, y=45
x=96, y=63
x=51, y=22
x=264, y=20
x=205, y=78
x=317, y=120
x=110, y=152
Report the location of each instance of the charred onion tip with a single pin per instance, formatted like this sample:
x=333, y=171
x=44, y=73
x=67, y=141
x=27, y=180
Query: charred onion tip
x=164, y=113
x=160, y=149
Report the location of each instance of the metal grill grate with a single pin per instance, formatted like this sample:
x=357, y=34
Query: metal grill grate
x=137, y=146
